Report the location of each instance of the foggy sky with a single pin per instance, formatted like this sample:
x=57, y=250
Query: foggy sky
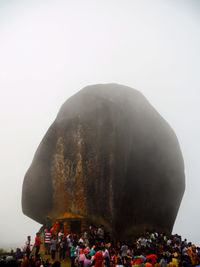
x=49, y=50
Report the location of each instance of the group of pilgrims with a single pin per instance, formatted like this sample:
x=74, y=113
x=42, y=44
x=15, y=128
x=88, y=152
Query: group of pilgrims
x=94, y=247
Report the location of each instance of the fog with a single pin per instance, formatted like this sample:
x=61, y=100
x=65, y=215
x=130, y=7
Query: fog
x=49, y=50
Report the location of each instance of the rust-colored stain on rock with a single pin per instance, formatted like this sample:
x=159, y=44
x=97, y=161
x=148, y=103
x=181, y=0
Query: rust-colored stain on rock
x=68, y=202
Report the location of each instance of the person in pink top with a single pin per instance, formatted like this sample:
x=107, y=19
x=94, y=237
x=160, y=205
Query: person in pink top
x=87, y=262
x=81, y=259
x=83, y=250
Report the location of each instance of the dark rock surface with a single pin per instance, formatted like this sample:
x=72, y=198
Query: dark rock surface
x=109, y=157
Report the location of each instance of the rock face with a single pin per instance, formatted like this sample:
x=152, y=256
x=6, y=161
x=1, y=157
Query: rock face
x=108, y=157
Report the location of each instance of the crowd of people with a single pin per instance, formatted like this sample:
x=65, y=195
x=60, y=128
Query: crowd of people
x=94, y=247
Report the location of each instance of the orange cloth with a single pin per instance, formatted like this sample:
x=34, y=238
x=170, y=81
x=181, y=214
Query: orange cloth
x=189, y=251
x=170, y=264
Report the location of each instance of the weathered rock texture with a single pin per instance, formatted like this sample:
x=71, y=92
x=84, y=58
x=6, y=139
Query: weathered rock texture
x=109, y=157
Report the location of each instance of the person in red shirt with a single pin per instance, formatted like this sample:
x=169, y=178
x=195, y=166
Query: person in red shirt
x=37, y=245
x=152, y=258
x=138, y=261
x=98, y=257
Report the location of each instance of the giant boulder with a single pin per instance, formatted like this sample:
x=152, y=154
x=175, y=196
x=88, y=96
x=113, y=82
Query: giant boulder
x=108, y=157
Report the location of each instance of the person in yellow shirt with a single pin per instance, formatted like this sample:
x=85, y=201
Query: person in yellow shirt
x=194, y=256
x=175, y=262
x=175, y=259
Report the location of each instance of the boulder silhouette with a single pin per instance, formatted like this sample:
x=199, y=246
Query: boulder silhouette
x=109, y=157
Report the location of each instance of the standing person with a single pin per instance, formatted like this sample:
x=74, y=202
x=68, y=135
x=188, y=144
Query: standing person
x=47, y=241
x=194, y=256
x=163, y=261
x=81, y=259
x=87, y=261
x=53, y=247
x=106, y=257
x=28, y=246
x=124, y=249
x=62, y=248
x=143, y=242
x=60, y=235
x=37, y=245
x=100, y=233
x=72, y=250
x=153, y=258
x=138, y=260
x=113, y=259
x=98, y=257
x=69, y=244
